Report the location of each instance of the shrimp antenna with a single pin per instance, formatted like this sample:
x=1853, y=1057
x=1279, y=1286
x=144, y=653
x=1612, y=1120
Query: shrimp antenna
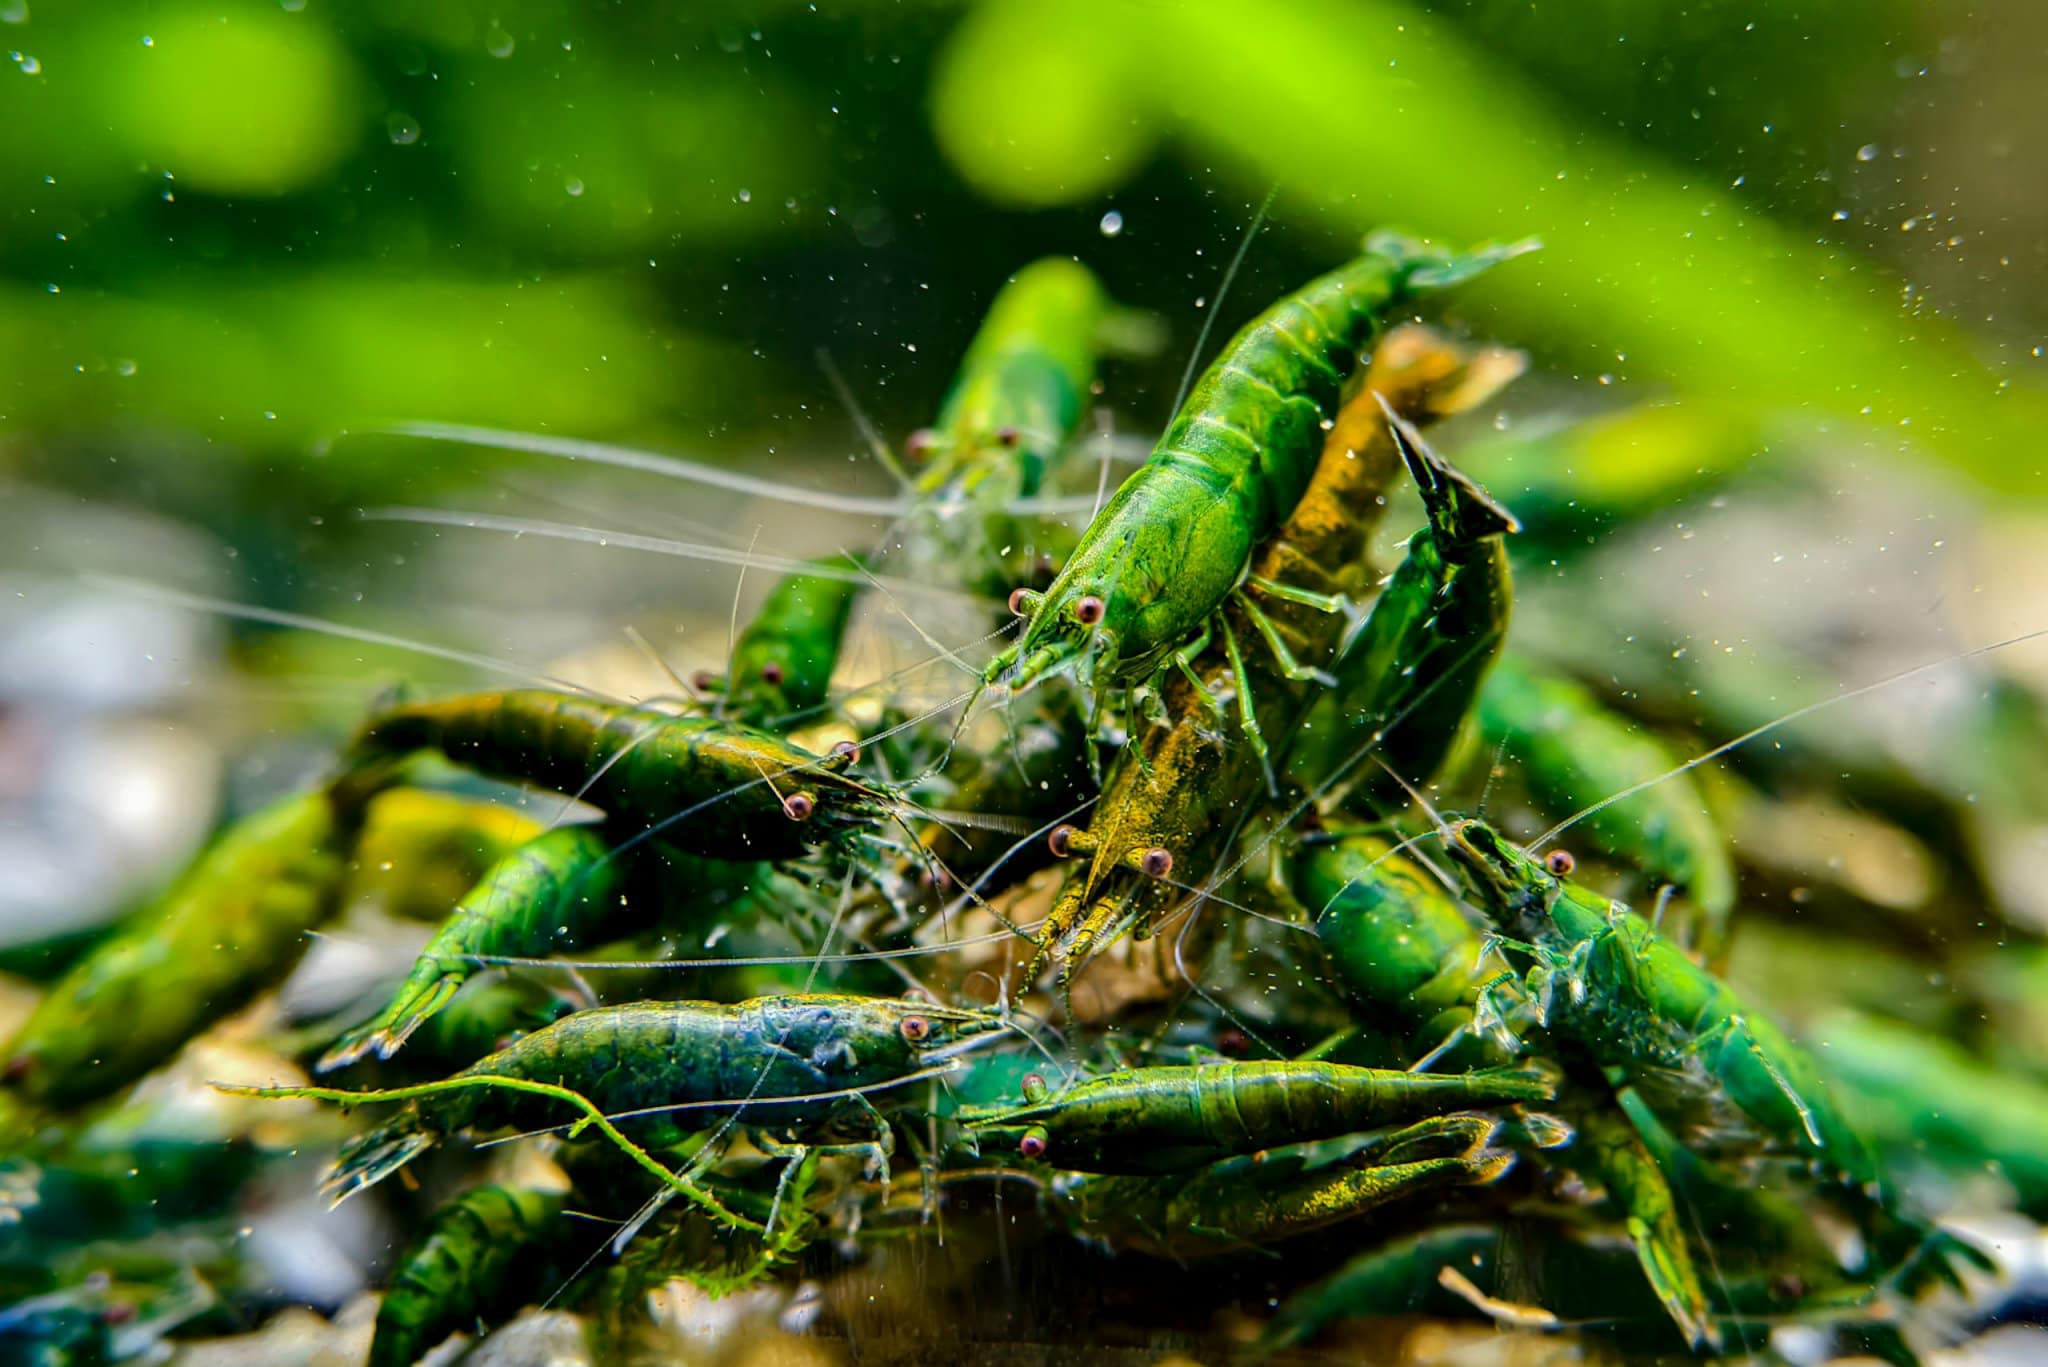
x=250, y=612
x=1244, y=246
x=869, y=433
x=1796, y=714
x=646, y=462
x=656, y=545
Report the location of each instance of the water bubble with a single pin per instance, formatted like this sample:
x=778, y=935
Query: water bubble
x=497, y=42
x=403, y=128
x=1112, y=223
x=29, y=65
x=746, y=195
x=574, y=185
x=1867, y=152
x=125, y=367
x=13, y=11
x=291, y=6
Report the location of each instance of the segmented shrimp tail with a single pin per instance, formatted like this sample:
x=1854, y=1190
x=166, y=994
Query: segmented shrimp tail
x=371, y=1157
x=389, y=1031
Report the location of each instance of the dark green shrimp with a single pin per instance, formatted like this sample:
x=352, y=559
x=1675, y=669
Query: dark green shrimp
x=1245, y=1203
x=713, y=787
x=666, y=1070
x=1634, y=1002
x=481, y=1256
x=1178, y=536
x=1571, y=751
x=1405, y=684
x=1175, y=797
x=782, y=662
x=1175, y=1118
x=233, y=924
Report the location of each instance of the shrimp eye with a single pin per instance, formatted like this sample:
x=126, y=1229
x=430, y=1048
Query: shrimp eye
x=1034, y=1143
x=771, y=674
x=1020, y=602
x=916, y=1029
x=921, y=443
x=1088, y=611
x=17, y=1068
x=1233, y=1043
x=1061, y=841
x=1009, y=436
x=1156, y=863
x=1034, y=1087
x=702, y=680
x=799, y=806
x=1560, y=862
x=845, y=751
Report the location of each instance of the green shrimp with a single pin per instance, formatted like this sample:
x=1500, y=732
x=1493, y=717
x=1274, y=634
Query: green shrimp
x=1176, y=1118
x=1176, y=540
x=560, y=892
x=233, y=924
x=479, y=1258
x=713, y=787
x=1248, y=1202
x=1173, y=799
x=556, y=892
x=1403, y=687
x=1399, y=948
x=1635, y=1003
x=1571, y=752
x=666, y=1070
x=782, y=662
x=1019, y=396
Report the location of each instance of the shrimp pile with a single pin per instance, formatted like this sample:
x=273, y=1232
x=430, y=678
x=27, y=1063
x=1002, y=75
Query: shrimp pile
x=1259, y=889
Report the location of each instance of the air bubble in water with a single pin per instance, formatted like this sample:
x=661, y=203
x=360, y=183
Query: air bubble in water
x=13, y=11
x=497, y=42
x=574, y=185
x=1112, y=223
x=403, y=128
x=29, y=65
x=1867, y=152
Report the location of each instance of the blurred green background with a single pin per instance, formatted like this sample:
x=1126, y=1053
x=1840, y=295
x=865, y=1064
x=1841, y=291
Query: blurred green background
x=233, y=230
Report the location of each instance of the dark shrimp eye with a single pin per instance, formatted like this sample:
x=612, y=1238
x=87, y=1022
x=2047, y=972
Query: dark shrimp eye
x=845, y=751
x=1061, y=841
x=916, y=1029
x=1033, y=1144
x=1088, y=611
x=17, y=1068
x=1560, y=862
x=1009, y=436
x=1156, y=863
x=1034, y=1087
x=702, y=680
x=771, y=674
x=1233, y=1043
x=1020, y=602
x=799, y=806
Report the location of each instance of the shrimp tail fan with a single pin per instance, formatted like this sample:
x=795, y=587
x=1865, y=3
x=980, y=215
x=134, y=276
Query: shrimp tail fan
x=371, y=1157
